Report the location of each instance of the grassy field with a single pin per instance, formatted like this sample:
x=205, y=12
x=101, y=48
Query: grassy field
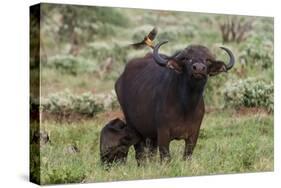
x=225, y=145
x=83, y=50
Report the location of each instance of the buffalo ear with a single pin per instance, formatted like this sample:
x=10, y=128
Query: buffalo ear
x=172, y=64
x=216, y=67
x=116, y=125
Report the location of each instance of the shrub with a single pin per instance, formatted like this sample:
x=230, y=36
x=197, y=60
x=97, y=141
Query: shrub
x=109, y=100
x=100, y=51
x=172, y=33
x=71, y=65
x=258, y=50
x=113, y=16
x=249, y=93
x=65, y=104
x=235, y=29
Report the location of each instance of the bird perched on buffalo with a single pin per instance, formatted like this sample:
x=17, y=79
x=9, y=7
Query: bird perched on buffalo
x=147, y=41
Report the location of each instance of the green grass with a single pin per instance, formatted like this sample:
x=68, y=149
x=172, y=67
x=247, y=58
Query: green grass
x=228, y=143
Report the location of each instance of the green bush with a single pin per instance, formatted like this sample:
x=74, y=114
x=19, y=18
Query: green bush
x=109, y=100
x=249, y=93
x=65, y=103
x=174, y=33
x=257, y=50
x=100, y=51
x=113, y=16
x=71, y=65
x=105, y=30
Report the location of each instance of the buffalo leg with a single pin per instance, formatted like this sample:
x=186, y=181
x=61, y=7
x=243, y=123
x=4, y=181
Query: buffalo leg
x=152, y=148
x=164, y=143
x=190, y=143
x=140, y=153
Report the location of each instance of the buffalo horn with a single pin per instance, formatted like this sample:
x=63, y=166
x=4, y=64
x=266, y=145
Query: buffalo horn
x=231, y=58
x=159, y=60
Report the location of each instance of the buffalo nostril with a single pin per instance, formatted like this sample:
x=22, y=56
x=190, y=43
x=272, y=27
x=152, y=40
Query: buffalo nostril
x=194, y=67
x=203, y=68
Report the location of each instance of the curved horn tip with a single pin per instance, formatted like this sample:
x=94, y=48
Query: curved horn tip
x=224, y=48
x=232, y=59
x=159, y=60
x=163, y=42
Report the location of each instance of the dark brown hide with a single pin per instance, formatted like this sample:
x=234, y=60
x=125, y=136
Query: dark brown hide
x=115, y=139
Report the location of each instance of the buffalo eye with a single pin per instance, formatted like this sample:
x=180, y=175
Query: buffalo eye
x=208, y=62
x=183, y=59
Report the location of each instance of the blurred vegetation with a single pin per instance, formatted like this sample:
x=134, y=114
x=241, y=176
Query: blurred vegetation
x=84, y=49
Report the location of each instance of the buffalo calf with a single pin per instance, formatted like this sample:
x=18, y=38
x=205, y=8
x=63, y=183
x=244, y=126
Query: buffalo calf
x=115, y=139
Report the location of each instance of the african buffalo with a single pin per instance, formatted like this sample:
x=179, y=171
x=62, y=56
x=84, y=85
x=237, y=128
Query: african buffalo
x=115, y=139
x=162, y=96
